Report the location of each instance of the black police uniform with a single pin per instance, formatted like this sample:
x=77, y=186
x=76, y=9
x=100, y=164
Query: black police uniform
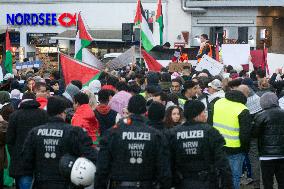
x=198, y=157
x=133, y=155
x=44, y=147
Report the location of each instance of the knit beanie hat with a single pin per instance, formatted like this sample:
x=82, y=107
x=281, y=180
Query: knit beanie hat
x=269, y=100
x=72, y=90
x=137, y=104
x=156, y=111
x=193, y=108
x=4, y=97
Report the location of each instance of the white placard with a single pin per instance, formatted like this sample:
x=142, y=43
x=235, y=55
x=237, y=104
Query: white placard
x=36, y=65
x=208, y=63
x=235, y=54
x=275, y=61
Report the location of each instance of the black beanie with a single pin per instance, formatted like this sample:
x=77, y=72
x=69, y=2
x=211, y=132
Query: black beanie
x=193, y=108
x=56, y=105
x=137, y=104
x=156, y=111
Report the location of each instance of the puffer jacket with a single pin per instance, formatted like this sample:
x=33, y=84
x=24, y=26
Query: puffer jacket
x=20, y=123
x=270, y=132
x=85, y=118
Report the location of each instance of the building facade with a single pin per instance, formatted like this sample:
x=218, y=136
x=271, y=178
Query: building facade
x=103, y=18
x=257, y=22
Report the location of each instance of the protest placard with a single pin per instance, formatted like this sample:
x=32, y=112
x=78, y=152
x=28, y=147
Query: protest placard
x=208, y=63
x=274, y=61
x=235, y=54
x=178, y=66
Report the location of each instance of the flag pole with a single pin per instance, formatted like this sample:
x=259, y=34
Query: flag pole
x=58, y=57
x=140, y=47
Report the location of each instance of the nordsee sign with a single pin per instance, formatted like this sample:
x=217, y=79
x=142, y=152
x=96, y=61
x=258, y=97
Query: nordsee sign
x=47, y=19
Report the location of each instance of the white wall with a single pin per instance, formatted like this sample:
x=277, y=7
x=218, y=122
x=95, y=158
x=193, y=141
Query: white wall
x=177, y=21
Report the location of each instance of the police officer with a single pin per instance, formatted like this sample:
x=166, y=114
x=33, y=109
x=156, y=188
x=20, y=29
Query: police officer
x=198, y=158
x=132, y=154
x=46, y=144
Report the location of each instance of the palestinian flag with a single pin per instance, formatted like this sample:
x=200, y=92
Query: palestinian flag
x=83, y=38
x=151, y=63
x=8, y=65
x=74, y=70
x=147, y=37
x=159, y=20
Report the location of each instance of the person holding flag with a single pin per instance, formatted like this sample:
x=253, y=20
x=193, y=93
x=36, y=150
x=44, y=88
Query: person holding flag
x=205, y=47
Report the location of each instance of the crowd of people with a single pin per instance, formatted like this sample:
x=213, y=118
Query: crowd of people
x=144, y=129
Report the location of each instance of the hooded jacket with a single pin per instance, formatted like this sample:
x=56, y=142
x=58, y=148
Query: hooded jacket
x=45, y=145
x=21, y=122
x=106, y=117
x=270, y=132
x=269, y=127
x=208, y=153
x=244, y=122
x=85, y=118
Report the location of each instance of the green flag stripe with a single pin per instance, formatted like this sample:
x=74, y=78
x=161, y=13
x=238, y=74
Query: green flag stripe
x=84, y=44
x=161, y=27
x=94, y=78
x=8, y=62
x=148, y=46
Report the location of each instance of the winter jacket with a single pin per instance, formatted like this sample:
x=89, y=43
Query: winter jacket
x=21, y=122
x=270, y=132
x=43, y=102
x=46, y=144
x=85, y=118
x=106, y=117
x=132, y=151
x=245, y=122
x=198, y=154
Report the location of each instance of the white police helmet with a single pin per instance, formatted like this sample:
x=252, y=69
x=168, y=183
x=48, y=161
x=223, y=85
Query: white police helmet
x=83, y=172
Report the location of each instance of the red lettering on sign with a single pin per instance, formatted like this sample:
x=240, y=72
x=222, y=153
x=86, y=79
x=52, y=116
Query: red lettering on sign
x=67, y=23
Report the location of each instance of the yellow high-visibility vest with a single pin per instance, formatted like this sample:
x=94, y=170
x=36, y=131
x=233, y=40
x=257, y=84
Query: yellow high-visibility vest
x=226, y=121
x=181, y=101
x=143, y=94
